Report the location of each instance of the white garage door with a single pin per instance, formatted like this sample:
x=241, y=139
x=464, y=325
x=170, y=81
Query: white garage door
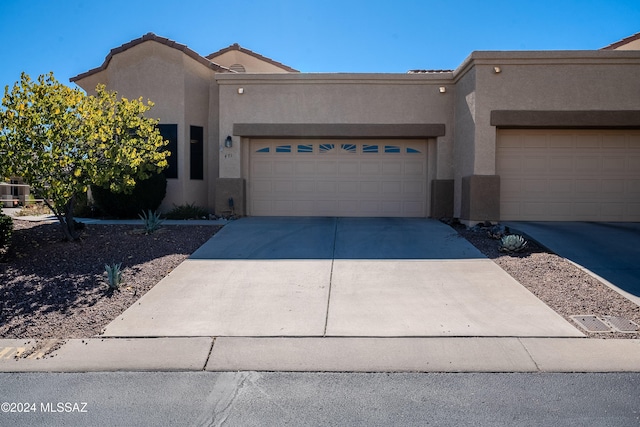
x=569, y=175
x=337, y=178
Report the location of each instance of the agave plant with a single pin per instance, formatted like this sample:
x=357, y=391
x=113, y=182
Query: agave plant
x=152, y=221
x=512, y=243
x=114, y=275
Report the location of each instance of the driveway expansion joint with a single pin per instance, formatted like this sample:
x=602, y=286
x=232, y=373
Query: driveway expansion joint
x=333, y=260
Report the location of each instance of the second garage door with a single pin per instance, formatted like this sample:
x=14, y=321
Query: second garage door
x=337, y=178
x=569, y=175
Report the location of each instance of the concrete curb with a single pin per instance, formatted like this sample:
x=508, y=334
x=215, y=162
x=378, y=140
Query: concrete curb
x=330, y=355
x=113, y=355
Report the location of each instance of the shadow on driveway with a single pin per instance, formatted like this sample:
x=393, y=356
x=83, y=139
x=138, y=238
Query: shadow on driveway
x=264, y=238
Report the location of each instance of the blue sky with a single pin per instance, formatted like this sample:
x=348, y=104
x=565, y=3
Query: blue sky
x=69, y=37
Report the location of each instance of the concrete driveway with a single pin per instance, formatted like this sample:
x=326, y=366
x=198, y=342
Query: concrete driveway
x=609, y=249
x=340, y=277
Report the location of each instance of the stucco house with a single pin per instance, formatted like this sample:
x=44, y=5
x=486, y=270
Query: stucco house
x=508, y=135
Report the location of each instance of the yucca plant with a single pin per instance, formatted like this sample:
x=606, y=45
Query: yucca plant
x=152, y=220
x=114, y=275
x=512, y=243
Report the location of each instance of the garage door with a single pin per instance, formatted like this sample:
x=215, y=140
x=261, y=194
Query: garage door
x=569, y=175
x=337, y=178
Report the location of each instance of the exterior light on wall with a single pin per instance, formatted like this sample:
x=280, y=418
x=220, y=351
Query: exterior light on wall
x=240, y=90
x=497, y=70
x=228, y=142
x=442, y=89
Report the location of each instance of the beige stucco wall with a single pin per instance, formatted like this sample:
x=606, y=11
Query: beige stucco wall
x=197, y=81
x=179, y=86
x=333, y=99
x=464, y=129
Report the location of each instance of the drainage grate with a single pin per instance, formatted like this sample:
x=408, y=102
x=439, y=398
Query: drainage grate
x=591, y=323
x=620, y=324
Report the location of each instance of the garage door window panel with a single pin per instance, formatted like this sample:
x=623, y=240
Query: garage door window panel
x=348, y=148
x=369, y=149
x=391, y=149
x=326, y=148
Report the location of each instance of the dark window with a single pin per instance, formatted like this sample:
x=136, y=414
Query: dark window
x=170, y=133
x=196, y=152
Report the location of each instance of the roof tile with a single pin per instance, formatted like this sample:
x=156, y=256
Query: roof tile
x=622, y=42
x=239, y=48
x=152, y=37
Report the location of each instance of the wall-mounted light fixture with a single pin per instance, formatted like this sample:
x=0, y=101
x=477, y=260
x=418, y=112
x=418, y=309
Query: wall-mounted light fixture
x=442, y=89
x=228, y=142
x=240, y=90
x=497, y=70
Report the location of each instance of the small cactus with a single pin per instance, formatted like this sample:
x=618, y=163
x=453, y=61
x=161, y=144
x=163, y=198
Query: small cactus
x=114, y=275
x=512, y=243
x=151, y=221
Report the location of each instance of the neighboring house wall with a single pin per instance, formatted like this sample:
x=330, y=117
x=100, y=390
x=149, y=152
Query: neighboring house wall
x=571, y=81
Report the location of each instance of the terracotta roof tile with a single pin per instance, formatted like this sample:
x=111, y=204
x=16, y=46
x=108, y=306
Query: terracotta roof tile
x=158, y=39
x=622, y=42
x=239, y=48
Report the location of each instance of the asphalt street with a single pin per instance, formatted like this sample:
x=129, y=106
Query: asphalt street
x=327, y=399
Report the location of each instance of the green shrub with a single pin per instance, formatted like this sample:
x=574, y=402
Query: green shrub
x=6, y=231
x=188, y=211
x=147, y=195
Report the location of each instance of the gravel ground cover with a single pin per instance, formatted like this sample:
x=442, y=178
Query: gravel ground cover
x=55, y=289
x=566, y=288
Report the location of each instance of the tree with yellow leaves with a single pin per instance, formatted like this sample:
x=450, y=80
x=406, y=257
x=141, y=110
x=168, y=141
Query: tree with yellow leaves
x=60, y=140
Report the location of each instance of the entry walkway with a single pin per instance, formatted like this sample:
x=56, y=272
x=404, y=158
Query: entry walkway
x=339, y=277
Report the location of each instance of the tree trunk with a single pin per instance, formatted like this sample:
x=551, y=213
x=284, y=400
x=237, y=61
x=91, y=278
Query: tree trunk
x=70, y=222
x=67, y=224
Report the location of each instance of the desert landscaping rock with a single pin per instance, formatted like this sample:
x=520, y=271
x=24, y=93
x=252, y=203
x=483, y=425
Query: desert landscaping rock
x=55, y=289
x=561, y=285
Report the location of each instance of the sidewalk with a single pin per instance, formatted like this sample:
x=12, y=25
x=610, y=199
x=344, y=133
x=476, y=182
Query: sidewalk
x=328, y=355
